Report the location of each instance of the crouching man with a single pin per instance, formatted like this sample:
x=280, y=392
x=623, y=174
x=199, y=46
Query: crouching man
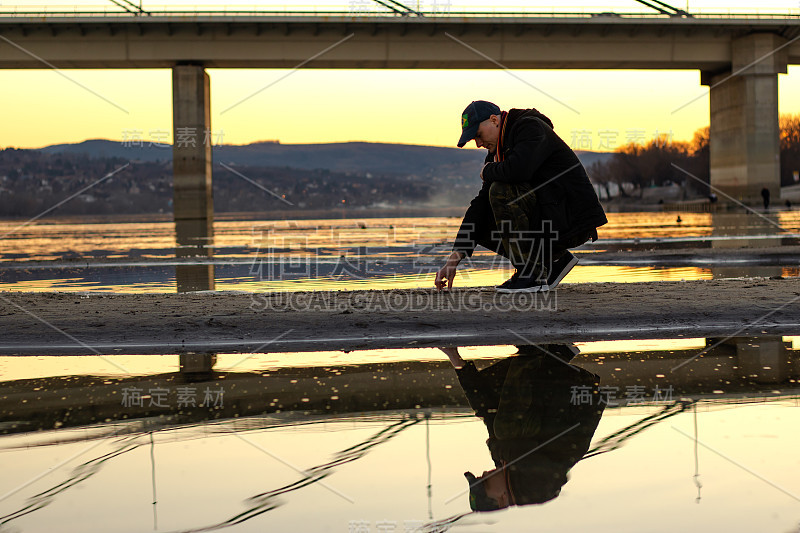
x=535, y=204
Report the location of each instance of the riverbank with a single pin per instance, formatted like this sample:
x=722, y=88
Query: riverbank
x=82, y=323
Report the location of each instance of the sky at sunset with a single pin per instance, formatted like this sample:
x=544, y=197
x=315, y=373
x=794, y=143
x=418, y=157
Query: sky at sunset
x=604, y=108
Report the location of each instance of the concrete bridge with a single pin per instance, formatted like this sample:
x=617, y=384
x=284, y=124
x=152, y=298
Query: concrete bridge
x=739, y=58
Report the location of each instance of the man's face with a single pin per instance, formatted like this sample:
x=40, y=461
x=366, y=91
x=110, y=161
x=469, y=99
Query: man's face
x=488, y=134
x=495, y=484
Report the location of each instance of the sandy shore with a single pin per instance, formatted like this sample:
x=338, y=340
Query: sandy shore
x=69, y=323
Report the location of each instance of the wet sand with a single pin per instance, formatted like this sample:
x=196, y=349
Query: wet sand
x=73, y=323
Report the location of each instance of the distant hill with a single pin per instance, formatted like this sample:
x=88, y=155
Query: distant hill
x=351, y=157
x=357, y=175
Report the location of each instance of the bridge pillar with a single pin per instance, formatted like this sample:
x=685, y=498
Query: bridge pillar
x=197, y=364
x=763, y=359
x=193, y=203
x=744, y=136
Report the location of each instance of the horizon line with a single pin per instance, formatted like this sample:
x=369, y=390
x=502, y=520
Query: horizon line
x=276, y=142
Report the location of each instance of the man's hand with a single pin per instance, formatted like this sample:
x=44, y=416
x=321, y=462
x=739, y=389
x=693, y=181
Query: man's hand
x=455, y=358
x=446, y=274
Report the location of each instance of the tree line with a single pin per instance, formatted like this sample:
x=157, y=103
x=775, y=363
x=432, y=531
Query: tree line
x=660, y=162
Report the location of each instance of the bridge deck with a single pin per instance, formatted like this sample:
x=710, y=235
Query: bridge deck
x=271, y=40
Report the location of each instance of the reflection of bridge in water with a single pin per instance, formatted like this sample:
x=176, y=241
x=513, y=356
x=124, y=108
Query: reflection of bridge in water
x=730, y=369
x=385, y=398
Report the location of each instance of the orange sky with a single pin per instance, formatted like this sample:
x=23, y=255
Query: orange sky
x=593, y=110
x=40, y=107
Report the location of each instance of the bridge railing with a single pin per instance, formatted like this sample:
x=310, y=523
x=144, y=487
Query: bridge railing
x=361, y=9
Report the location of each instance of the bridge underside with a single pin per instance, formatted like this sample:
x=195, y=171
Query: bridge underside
x=598, y=42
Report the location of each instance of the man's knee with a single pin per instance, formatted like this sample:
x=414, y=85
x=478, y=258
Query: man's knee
x=512, y=197
x=500, y=192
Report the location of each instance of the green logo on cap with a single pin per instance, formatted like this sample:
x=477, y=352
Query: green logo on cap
x=464, y=121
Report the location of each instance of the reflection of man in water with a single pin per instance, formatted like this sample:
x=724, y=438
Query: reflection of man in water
x=537, y=427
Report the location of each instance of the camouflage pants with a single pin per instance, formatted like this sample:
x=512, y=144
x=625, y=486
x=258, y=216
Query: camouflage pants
x=529, y=248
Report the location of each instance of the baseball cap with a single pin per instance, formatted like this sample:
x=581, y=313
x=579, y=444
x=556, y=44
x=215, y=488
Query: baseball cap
x=475, y=113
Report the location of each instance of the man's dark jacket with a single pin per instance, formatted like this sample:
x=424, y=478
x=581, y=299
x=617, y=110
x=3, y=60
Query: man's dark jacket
x=537, y=429
x=534, y=154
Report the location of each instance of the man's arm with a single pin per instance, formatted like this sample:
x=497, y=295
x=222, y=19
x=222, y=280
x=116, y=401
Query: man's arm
x=475, y=221
x=454, y=356
x=531, y=148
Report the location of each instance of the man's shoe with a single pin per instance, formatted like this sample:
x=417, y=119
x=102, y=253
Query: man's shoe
x=561, y=268
x=523, y=284
x=509, y=281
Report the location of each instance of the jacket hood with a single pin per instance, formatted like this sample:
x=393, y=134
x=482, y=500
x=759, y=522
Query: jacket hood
x=514, y=114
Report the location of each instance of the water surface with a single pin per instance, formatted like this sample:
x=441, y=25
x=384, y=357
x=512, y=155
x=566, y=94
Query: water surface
x=335, y=254
x=379, y=440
